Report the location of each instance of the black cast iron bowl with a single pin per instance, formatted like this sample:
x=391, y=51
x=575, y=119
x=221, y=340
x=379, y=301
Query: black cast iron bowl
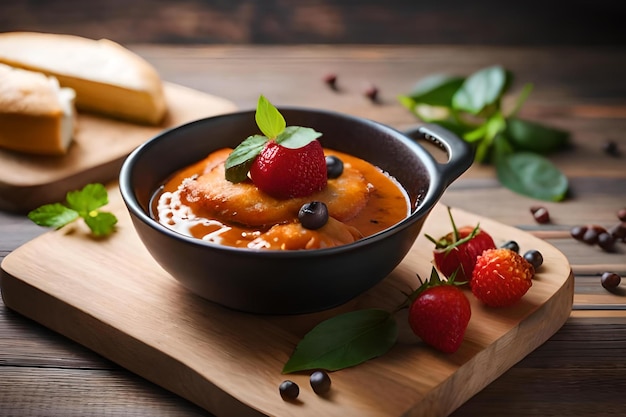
x=289, y=282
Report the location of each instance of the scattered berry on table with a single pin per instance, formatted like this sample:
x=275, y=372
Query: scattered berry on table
x=331, y=80
x=621, y=214
x=610, y=280
x=320, y=382
x=618, y=231
x=371, y=92
x=578, y=232
x=501, y=277
x=540, y=214
x=289, y=390
x=606, y=241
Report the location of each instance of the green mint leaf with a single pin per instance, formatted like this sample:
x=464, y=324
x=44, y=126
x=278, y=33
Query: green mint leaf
x=268, y=118
x=533, y=137
x=344, y=341
x=436, y=90
x=531, y=175
x=482, y=89
x=53, y=215
x=240, y=159
x=296, y=136
x=91, y=197
x=100, y=223
x=83, y=203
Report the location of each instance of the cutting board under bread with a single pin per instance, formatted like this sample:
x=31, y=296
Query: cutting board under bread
x=110, y=296
x=99, y=148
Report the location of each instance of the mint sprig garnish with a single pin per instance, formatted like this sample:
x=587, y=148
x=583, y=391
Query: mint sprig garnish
x=273, y=126
x=83, y=204
x=472, y=107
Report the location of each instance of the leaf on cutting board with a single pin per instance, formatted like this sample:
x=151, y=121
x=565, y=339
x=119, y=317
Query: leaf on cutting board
x=344, y=341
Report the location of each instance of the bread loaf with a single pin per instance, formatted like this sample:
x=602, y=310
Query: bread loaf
x=36, y=115
x=108, y=79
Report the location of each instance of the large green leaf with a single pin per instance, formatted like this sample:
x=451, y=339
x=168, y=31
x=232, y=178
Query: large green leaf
x=345, y=340
x=482, y=89
x=531, y=175
x=529, y=136
x=436, y=90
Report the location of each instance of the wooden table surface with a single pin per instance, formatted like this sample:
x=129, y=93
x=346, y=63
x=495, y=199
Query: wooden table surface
x=580, y=371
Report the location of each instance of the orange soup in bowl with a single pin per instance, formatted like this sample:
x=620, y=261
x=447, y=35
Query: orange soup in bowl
x=199, y=201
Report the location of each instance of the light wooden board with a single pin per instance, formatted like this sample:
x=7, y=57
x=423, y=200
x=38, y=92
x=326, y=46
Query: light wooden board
x=99, y=148
x=110, y=296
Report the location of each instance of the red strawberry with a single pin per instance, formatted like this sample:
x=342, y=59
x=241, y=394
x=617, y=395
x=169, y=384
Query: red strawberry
x=286, y=173
x=501, y=277
x=439, y=313
x=457, y=251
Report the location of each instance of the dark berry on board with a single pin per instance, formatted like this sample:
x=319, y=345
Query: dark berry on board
x=610, y=280
x=540, y=214
x=621, y=214
x=289, y=390
x=320, y=382
x=511, y=245
x=534, y=257
x=313, y=215
x=334, y=166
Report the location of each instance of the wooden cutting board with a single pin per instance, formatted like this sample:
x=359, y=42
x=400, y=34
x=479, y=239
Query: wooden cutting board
x=99, y=148
x=110, y=296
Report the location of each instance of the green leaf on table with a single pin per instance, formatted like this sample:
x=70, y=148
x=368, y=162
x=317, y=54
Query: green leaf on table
x=482, y=89
x=534, y=137
x=101, y=223
x=344, y=341
x=54, y=215
x=531, y=175
x=436, y=90
x=268, y=118
x=81, y=203
x=91, y=197
x=297, y=136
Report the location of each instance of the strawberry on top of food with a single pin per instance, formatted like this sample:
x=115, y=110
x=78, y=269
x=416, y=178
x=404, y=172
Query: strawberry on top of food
x=286, y=172
x=456, y=252
x=284, y=162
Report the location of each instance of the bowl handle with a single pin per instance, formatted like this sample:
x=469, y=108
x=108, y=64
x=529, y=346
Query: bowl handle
x=460, y=153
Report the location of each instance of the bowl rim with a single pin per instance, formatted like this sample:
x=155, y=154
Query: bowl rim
x=424, y=206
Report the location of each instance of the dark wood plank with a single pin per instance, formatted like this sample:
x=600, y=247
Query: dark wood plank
x=489, y=22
